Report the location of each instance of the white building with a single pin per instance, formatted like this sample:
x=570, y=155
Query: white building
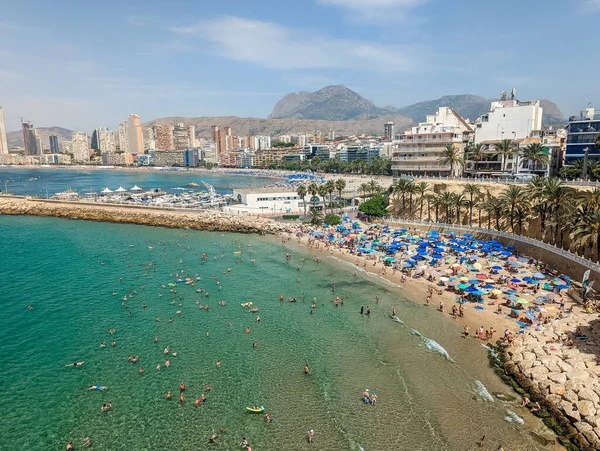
x=149, y=141
x=266, y=201
x=3, y=143
x=508, y=119
x=123, y=137
x=260, y=142
x=106, y=140
x=191, y=133
x=80, y=146
x=418, y=151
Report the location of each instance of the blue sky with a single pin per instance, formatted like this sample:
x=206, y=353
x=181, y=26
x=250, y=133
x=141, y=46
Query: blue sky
x=82, y=64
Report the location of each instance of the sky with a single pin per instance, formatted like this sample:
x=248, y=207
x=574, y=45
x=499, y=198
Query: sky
x=86, y=64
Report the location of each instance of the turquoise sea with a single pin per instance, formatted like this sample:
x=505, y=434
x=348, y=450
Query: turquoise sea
x=46, y=181
x=432, y=385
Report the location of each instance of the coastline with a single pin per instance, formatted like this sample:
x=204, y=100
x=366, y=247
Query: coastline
x=531, y=348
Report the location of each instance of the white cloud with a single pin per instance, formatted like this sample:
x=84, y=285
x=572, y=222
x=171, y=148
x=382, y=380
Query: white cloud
x=274, y=46
x=375, y=9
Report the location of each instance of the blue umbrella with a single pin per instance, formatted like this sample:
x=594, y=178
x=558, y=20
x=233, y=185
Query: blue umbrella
x=477, y=292
x=488, y=286
x=515, y=280
x=468, y=235
x=561, y=287
x=497, y=268
x=439, y=249
x=436, y=256
x=512, y=298
x=537, y=275
x=474, y=281
x=506, y=253
x=528, y=279
x=471, y=290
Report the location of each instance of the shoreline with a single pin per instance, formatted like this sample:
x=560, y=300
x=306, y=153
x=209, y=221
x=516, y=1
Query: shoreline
x=581, y=432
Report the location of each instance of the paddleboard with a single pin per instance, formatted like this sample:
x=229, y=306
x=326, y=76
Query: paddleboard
x=253, y=410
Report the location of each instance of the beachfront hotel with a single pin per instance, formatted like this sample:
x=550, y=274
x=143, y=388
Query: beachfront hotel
x=270, y=201
x=418, y=151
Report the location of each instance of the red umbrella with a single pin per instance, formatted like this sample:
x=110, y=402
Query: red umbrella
x=481, y=276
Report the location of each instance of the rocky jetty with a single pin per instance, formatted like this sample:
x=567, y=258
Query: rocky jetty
x=198, y=220
x=564, y=379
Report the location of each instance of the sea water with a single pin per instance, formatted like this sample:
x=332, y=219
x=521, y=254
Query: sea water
x=428, y=379
x=47, y=181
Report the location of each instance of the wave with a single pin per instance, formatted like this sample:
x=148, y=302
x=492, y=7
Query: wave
x=181, y=189
x=482, y=392
x=432, y=345
x=512, y=417
x=398, y=320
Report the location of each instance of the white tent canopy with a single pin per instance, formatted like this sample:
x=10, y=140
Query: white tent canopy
x=136, y=188
x=106, y=191
x=120, y=189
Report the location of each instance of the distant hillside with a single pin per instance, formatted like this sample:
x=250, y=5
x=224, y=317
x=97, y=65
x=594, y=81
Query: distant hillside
x=275, y=127
x=340, y=103
x=15, y=139
x=333, y=103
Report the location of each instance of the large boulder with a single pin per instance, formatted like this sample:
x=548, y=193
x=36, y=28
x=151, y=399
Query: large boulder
x=586, y=408
x=577, y=375
x=587, y=394
x=559, y=378
x=557, y=389
x=571, y=396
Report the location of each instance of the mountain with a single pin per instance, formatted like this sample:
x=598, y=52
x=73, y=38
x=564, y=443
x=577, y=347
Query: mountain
x=15, y=139
x=274, y=127
x=339, y=103
x=332, y=103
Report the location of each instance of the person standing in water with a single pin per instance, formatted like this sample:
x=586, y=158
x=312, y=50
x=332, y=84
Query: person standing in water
x=362, y=309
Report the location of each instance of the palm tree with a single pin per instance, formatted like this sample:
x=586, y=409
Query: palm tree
x=506, y=148
x=447, y=200
x=559, y=197
x=322, y=191
x=496, y=206
x=451, y=155
x=340, y=184
x=486, y=205
x=586, y=229
x=513, y=197
x=402, y=187
x=364, y=187
x=476, y=153
x=459, y=201
x=597, y=142
x=373, y=186
x=421, y=189
x=535, y=153
x=436, y=200
x=301, y=191
x=330, y=187
x=410, y=191
x=472, y=189
x=316, y=217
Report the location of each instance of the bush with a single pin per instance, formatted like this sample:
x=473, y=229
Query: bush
x=290, y=217
x=332, y=219
x=374, y=206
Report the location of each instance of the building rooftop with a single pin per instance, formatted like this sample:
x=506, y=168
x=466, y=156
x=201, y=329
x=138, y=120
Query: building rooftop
x=272, y=190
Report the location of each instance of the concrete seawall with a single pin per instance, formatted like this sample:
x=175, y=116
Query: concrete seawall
x=211, y=220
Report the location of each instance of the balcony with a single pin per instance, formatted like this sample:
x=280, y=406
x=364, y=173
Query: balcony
x=419, y=167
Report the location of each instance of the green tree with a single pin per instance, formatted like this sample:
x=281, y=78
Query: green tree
x=316, y=216
x=421, y=190
x=322, y=191
x=506, y=148
x=374, y=206
x=332, y=219
x=472, y=190
x=330, y=188
x=302, y=191
x=340, y=184
x=535, y=154
x=476, y=153
x=514, y=197
x=451, y=155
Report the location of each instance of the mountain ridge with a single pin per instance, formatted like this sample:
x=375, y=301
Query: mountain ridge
x=338, y=102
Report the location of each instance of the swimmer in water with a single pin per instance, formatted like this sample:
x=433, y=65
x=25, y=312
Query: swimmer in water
x=255, y=344
x=213, y=438
x=197, y=402
x=247, y=330
x=306, y=369
x=169, y=395
x=394, y=311
x=218, y=364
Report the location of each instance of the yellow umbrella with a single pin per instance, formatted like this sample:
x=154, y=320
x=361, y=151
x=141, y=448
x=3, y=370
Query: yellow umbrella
x=477, y=265
x=496, y=292
x=464, y=278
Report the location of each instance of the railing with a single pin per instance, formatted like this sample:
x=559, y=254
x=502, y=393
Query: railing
x=594, y=266
x=502, y=181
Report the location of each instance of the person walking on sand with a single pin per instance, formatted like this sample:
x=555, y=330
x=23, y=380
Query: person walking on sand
x=442, y=306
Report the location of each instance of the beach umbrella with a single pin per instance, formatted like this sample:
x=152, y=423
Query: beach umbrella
x=522, y=301
x=515, y=264
x=477, y=265
x=538, y=302
x=444, y=279
x=496, y=292
x=505, y=253
x=471, y=290
x=481, y=276
x=468, y=235
x=436, y=256
x=561, y=287
x=559, y=282
x=497, y=268
x=464, y=279
x=537, y=275
x=106, y=191
x=478, y=292
x=490, y=281
x=136, y=188
x=453, y=283
x=515, y=280
x=488, y=287
x=528, y=280
x=474, y=281
x=439, y=249
x=462, y=286
x=512, y=298
x=120, y=189
x=456, y=265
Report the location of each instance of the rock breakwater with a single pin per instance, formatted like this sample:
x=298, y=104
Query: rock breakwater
x=210, y=220
x=558, y=369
